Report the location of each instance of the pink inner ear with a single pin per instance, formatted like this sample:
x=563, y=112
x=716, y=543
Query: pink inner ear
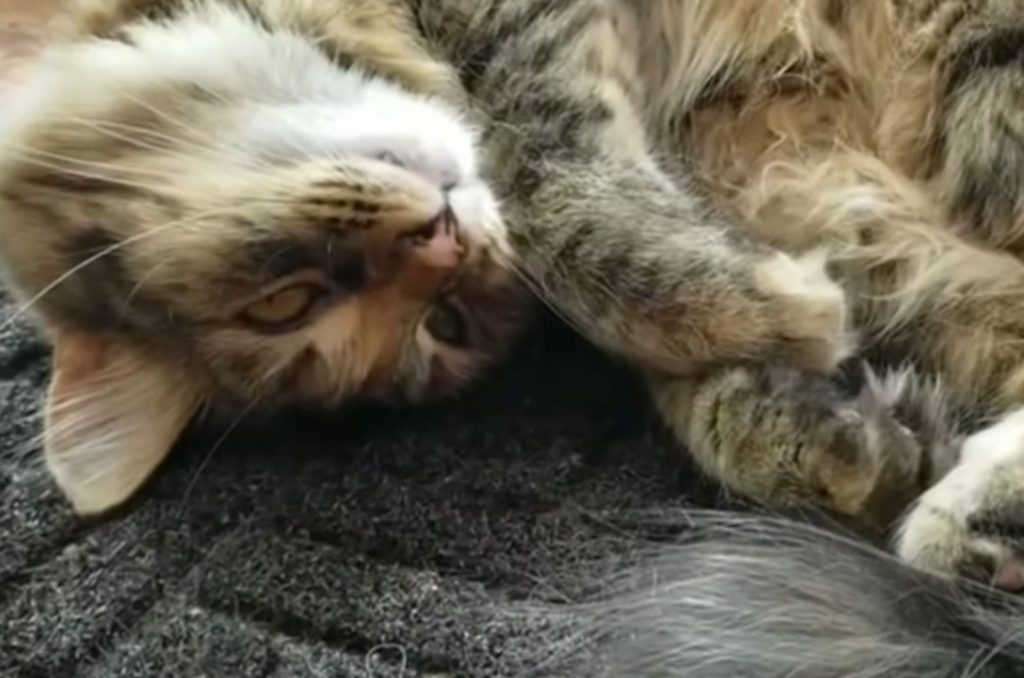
x=76, y=358
x=112, y=417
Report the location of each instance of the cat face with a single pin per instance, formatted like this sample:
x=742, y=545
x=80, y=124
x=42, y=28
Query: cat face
x=208, y=213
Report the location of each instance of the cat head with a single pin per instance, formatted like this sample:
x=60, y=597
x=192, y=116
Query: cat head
x=206, y=213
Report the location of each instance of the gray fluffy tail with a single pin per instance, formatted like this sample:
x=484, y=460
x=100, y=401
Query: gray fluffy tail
x=762, y=597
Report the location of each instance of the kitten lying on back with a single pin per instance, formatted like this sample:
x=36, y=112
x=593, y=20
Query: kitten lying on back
x=208, y=207
x=243, y=203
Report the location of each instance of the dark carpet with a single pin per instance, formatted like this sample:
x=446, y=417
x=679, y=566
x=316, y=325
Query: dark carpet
x=363, y=543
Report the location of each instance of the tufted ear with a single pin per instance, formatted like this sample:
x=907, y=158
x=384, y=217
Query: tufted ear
x=111, y=418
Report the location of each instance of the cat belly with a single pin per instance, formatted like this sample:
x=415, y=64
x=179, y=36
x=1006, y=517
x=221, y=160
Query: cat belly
x=778, y=86
x=753, y=162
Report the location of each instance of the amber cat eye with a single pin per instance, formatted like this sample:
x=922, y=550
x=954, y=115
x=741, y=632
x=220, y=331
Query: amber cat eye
x=447, y=324
x=283, y=307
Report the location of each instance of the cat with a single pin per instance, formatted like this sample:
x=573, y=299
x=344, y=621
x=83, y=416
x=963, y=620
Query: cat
x=236, y=205
x=245, y=203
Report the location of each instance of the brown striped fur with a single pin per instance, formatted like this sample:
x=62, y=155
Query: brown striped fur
x=677, y=177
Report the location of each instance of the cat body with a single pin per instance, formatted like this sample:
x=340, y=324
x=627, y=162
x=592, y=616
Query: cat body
x=174, y=165
x=245, y=203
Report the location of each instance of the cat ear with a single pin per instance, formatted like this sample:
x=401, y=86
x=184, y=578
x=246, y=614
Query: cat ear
x=111, y=418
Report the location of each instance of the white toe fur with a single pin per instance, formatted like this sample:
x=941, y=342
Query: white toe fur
x=987, y=482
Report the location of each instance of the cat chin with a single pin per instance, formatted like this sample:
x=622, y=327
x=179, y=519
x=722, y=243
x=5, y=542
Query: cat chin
x=284, y=96
x=382, y=123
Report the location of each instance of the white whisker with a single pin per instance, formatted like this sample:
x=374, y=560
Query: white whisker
x=215, y=447
x=26, y=306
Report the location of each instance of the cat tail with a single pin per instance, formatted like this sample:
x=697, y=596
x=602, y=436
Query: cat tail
x=747, y=595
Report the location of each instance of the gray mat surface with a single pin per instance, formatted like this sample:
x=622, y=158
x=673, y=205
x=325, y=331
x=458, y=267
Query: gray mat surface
x=358, y=544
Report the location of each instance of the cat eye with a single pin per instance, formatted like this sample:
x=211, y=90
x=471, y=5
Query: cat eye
x=447, y=324
x=284, y=307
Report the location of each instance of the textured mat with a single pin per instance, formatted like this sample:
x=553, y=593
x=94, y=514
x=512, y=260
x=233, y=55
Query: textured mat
x=355, y=544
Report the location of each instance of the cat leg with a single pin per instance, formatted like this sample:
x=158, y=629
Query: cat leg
x=790, y=439
x=630, y=256
x=645, y=272
x=978, y=118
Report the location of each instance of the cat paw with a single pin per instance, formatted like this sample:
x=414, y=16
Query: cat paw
x=808, y=311
x=938, y=542
x=971, y=522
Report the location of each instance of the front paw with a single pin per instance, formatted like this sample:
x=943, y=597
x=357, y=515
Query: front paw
x=807, y=312
x=971, y=523
x=936, y=541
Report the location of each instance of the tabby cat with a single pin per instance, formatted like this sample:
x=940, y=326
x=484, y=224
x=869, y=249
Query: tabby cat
x=244, y=203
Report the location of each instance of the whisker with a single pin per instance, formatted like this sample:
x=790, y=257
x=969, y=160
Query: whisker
x=26, y=306
x=138, y=287
x=34, y=157
x=538, y=289
x=139, y=137
x=145, y=138
x=214, y=448
x=195, y=132
x=234, y=153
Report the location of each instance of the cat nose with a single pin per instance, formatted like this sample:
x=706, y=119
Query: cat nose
x=436, y=245
x=433, y=255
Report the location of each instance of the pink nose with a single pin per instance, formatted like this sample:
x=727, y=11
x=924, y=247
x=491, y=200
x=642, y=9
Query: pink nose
x=437, y=246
